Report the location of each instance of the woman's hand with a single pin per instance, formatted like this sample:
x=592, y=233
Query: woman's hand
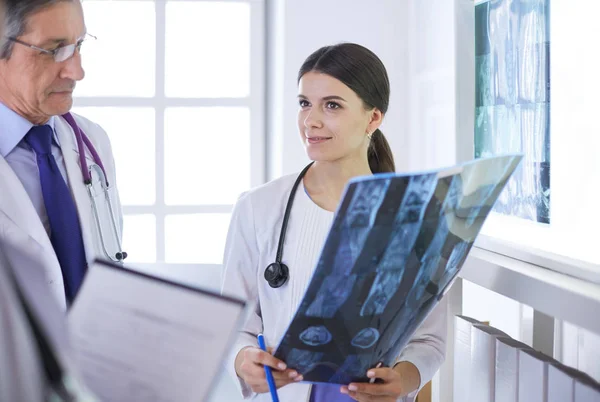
x=249, y=366
x=399, y=381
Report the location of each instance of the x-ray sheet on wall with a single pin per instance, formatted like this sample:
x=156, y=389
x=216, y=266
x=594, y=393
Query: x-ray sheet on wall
x=396, y=244
x=512, y=95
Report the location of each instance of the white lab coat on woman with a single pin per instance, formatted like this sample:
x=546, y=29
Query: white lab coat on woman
x=19, y=211
x=251, y=246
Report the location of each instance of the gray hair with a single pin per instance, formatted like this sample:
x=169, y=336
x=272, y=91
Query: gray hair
x=17, y=13
x=1, y=24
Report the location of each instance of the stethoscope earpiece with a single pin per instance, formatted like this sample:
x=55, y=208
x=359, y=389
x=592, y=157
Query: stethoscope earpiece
x=277, y=274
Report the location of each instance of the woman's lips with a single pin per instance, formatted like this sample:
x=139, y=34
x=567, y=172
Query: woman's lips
x=317, y=140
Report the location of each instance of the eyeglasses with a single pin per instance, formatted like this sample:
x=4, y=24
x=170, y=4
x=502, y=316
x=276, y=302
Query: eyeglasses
x=61, y=53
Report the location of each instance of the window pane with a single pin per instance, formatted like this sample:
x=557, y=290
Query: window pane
x=198, y=238
x=207, y=49
x=207, y=155
x=131, y=132
x=139, y=238
x=121, y=62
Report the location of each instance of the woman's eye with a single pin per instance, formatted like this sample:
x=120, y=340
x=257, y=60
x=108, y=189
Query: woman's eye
x=333, y=105
x=304, y=103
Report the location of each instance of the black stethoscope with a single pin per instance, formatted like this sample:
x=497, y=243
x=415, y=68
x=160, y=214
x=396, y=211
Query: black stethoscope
x=277, y=273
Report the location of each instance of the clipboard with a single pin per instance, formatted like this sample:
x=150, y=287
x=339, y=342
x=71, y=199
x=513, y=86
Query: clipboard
x=140, y=337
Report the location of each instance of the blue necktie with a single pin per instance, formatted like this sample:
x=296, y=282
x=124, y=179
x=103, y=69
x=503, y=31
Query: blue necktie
x=65, y=232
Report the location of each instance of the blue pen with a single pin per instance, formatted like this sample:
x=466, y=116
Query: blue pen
x=270, y=380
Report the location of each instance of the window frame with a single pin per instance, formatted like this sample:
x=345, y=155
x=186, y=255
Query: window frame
x=255, y=102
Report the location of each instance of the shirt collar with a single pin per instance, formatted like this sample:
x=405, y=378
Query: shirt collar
x=14, y=128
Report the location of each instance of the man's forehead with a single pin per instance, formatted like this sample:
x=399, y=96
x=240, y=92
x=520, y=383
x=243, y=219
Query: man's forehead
x=62, y=20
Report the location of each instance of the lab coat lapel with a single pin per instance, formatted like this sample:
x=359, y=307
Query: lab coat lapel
x=20, y=223
x=68, y=146
x=18, y=206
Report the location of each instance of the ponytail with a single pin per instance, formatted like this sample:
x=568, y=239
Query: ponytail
x=380, y=155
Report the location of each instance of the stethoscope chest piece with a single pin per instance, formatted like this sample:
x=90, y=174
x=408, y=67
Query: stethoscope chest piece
x=277, y=274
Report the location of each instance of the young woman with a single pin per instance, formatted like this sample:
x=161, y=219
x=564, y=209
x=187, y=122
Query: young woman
x=343, y=97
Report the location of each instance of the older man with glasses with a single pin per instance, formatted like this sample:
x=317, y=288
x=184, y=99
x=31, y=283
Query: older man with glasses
x=58, y=167
x=39, y=65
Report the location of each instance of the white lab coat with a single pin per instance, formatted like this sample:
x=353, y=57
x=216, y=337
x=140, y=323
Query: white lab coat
x=251, y=246
x=20, y=210
x=22, y=377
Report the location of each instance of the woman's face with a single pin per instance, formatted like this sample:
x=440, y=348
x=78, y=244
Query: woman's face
x=332, y=119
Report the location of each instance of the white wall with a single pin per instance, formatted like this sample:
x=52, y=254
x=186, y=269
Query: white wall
x=432, y=89
x=298, y=28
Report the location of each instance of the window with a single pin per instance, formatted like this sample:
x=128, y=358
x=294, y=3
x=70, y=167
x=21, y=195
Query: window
x=570, y=240
x=178, y=87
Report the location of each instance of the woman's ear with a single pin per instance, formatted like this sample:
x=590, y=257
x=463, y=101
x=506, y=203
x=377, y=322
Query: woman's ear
x=376, y=118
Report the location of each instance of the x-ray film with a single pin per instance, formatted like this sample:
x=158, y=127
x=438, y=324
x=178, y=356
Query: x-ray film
x=396, y=244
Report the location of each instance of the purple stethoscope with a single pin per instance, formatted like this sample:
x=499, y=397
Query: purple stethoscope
x=97, y=167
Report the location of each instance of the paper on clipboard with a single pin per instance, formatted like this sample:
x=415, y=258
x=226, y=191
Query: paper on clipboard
x=140, y=338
